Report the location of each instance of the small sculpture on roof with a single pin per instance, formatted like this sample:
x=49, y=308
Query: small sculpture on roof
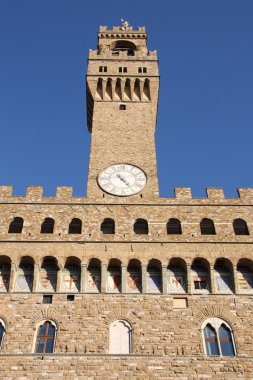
x=124, y=24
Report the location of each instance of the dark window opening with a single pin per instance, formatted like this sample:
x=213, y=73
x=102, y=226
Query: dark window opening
x=103, y=69
x=240, y=227
x=70, y=297
x=122, y=69
x=108, y=226
x=16, y=226
x=141, y=227
x=47, y=226
x=75, y=226
x=207, y=227
x=142, y=70
x=174, y=227
x=47, y=299
x=122, y=107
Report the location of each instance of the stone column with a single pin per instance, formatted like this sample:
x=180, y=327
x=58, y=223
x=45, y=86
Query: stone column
x=164, y=279
x=235, y=279
x=123, y=278
x=35, y=278
x=212, y=280
x=59, y=280
x=103, y=277
x=12, y=278
x=144, y=278
x=189, y=279
x=83, y=278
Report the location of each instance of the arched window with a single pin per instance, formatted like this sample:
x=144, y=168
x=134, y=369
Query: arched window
x=2, y=332
x=24, y=275
x=120, y=339
x=218, y=338
x=240, y=227
x=16, y=226
x=75, y=226
x=207, y=227
x=108, y=226
x=123, y=45
x=141, y=227
x=174, y=227
x=47, y=226
x=45, y=338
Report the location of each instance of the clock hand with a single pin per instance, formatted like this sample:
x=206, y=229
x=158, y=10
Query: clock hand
x=122, y=179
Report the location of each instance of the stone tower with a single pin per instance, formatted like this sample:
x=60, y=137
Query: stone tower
x=122, y=95
x=122, y=283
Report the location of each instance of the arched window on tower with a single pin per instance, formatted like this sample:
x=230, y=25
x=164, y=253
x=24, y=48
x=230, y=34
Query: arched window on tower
x=108, y=226
x=174, y=227
x=16, y=226
x=123, y=45
x=75, y=226
x=47, y=226
x=207, y=227
x=120, y=337
x=218, y=338
x=240, y=227
x=45, y=339
x=141, y=227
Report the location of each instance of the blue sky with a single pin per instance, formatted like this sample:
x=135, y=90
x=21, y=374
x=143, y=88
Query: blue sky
x=205, y=116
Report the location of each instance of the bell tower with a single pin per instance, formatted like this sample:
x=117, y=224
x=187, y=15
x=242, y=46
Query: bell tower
x=122, y=96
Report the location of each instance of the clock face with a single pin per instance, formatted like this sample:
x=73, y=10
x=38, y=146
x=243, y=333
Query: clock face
x=122, y=180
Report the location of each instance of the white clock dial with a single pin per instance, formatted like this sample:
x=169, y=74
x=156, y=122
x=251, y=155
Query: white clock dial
x=122, y=180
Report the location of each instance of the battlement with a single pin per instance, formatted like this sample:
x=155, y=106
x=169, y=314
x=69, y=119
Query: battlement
x=64, y=194
x=119, y=29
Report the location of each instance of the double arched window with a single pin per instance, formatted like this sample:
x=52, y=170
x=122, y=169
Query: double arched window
x=47, y=226
x=45, y=338
x=218, y=338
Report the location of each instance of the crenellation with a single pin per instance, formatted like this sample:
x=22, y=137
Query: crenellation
x=34, y=193
x=245, y=194
x=183, y=193
x=64, y=193
x=5, y=192
x=216, y=194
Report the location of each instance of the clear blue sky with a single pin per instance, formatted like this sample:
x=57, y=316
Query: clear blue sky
x=205, y=122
